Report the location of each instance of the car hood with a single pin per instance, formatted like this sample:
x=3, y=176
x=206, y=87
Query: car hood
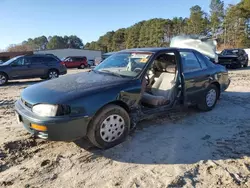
x=204, y=45
x=69, y=87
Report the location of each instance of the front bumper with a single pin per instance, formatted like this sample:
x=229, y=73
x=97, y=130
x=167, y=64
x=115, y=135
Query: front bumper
x=63, y=72
x=63, y=128
x=225, y=86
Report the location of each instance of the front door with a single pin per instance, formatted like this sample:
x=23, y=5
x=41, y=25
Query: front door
x=19, y=68
x=69, y=62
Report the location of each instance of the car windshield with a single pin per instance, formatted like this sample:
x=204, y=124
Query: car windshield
x=230, y=52
x=128, y=64
x=10, y=60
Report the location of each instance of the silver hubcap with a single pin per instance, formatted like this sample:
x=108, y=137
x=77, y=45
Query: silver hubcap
x=112, y=128
x=211, y=97
x=2, y=79
x=53, y=74
x=82, y=66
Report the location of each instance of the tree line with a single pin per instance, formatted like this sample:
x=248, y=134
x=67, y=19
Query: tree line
x=51, y=42
x=230, y=26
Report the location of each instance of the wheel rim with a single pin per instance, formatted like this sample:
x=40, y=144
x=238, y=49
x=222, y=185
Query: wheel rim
x=112, y=128
x=82, y=66
x=2, y=79
x=211, y=97
x=53, y=74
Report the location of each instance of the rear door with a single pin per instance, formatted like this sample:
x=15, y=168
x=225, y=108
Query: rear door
x=77, y=61
x=37, y=66
x=196, y=75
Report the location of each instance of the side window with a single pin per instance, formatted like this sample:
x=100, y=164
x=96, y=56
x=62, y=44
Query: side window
x=202, y=60
x=18, y=62
x=189, y=62
x=36, y=60
x=68, y=59
x=77, y=59
x=49, y=59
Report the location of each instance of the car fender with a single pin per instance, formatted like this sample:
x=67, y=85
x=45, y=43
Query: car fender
x=128, y=95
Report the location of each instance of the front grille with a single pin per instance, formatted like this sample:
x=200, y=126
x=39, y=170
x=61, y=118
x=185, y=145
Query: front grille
x=26, y=103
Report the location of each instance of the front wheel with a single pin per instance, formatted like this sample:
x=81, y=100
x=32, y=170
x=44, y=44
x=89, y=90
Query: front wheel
x=246, y=64
x=210, y=99
x=3, y=79
x=109, y=127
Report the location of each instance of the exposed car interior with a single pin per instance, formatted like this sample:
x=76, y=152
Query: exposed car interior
x=159, y=86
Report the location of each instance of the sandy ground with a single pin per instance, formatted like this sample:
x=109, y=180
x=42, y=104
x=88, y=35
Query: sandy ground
x=198, y=150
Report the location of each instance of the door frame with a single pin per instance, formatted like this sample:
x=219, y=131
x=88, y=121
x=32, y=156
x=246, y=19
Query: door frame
x=181, y=81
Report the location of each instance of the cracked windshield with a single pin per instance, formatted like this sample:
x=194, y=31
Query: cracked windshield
x=124, y=94
x=124, y=64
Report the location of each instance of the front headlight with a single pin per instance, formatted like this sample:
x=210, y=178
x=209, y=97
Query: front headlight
x=45, y=110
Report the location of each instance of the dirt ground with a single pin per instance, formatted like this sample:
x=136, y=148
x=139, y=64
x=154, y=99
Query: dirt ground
x=198, y=150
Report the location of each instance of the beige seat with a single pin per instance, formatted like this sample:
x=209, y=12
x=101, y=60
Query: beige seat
x=162, y=91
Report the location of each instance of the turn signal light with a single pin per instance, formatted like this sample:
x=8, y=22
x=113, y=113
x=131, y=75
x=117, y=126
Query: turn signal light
x=39, y=127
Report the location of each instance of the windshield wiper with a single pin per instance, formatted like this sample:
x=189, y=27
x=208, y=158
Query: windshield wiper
x=113, y=73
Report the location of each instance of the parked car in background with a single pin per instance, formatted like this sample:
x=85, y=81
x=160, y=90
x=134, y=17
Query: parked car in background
x=31, y=66
x=107, y=102
x=1, y=62
x=98, y=60
x=91, y=62
x=75, y=62
x=233, y=58
x=106, y=55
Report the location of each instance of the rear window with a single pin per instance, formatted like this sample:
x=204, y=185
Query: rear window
x=36, y=60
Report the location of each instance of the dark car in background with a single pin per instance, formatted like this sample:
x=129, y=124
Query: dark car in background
x=76, y=62
x=131, y=85
x=31, y=66
x=91, y=62
x=233, y=58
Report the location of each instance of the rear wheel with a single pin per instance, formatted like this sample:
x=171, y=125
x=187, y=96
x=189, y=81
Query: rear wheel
x=3, y=79
x=53, y=74
x=109, y=127
x=82, y=66
x=210, y=98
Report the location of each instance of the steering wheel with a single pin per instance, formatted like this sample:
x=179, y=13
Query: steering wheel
x=137, y=70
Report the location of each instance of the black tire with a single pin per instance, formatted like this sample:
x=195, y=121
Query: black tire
x=246, y=64
x=3, y=79
x=82, y=66
x=53, y=73
x=203, y=105
x=98, y=124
